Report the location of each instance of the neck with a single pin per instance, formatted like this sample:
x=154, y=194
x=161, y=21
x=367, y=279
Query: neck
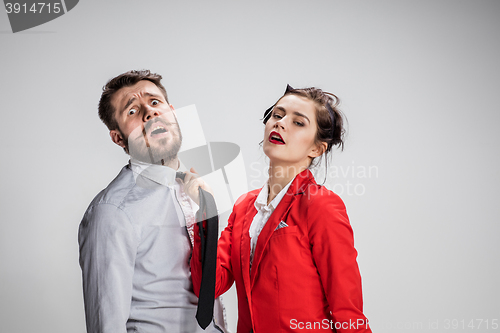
x=279, y=177
x=172, y=163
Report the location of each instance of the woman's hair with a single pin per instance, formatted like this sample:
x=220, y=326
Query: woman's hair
x=330, y=119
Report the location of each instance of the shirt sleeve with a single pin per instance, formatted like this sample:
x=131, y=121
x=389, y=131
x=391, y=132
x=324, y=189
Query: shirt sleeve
x=333, y=251
x=108, y=246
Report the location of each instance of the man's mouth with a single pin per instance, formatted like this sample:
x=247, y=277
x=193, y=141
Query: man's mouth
x=157, y=130
x=276, y=138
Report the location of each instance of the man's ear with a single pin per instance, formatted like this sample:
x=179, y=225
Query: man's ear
x=117, y=138
x=318, y=150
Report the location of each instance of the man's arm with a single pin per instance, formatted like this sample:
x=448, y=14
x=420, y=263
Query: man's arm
x=108, y=246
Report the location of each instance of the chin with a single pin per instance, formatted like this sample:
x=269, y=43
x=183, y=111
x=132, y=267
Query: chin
x=156, y=152
x=268, y=151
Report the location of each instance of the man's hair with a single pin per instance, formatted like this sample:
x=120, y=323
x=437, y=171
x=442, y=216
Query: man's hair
x=106, y=110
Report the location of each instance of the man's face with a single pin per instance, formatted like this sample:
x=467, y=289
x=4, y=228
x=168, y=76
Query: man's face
x=147, y=126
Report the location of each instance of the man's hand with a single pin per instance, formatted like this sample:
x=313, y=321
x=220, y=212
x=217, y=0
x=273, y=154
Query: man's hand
x=192, y=181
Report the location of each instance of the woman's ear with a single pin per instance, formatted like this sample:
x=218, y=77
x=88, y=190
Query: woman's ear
x=318, y=149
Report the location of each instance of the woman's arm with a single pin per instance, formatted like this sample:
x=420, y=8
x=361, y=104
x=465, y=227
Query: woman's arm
x=333, y=251
x=224, y=279
x=224, y=276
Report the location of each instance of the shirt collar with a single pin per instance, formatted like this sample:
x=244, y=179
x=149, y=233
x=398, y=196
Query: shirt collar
x=261, y=200
x=160, y=174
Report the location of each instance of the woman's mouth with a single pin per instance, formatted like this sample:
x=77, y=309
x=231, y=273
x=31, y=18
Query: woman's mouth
x=276, y=138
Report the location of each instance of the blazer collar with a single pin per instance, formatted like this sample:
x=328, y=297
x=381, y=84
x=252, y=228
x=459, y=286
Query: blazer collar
x=300, y=183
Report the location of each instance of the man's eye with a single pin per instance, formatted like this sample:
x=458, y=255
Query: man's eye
x=155, y=102
x=131, y=112
x=277, y=116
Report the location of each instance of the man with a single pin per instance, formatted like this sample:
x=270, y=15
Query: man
x=136, y=236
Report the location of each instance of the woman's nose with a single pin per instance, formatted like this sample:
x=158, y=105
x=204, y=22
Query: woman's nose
x=280, y=123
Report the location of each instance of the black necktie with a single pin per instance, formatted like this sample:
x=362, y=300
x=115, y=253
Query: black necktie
x=207, y=214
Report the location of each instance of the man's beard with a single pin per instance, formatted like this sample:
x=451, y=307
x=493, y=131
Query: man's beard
x=157, y=151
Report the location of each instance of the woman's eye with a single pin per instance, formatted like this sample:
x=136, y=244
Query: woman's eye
x=155, y=102
x=298, y=123
x=277, y=116
x=131, y=112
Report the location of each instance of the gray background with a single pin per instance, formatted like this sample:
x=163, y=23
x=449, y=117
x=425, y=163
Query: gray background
x=417, y=79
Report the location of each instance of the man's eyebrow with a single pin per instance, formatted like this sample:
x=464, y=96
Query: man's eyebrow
x=151, y=95
x=131, y=100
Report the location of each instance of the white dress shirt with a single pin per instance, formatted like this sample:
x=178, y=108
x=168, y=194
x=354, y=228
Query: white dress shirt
x=135, y=253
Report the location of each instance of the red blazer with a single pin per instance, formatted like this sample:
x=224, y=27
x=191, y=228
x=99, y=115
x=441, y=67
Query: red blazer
x=304, y=276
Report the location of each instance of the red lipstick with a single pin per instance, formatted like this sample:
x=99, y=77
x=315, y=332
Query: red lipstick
x=276, y=138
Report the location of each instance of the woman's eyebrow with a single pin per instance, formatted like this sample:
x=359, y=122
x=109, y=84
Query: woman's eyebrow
x=297, y=113
x=301, y=115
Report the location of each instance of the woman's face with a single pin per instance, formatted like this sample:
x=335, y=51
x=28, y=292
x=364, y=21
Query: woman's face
x=290, y=132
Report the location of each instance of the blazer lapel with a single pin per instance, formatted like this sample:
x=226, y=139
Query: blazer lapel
x=298, y=185
x=245, y=245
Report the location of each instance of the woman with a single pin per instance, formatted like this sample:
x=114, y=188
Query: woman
x=289, y=246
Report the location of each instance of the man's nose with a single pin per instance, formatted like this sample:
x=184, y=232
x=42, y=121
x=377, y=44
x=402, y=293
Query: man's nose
x=150, y=112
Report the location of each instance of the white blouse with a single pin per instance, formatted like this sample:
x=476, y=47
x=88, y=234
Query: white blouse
x=264, y=211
